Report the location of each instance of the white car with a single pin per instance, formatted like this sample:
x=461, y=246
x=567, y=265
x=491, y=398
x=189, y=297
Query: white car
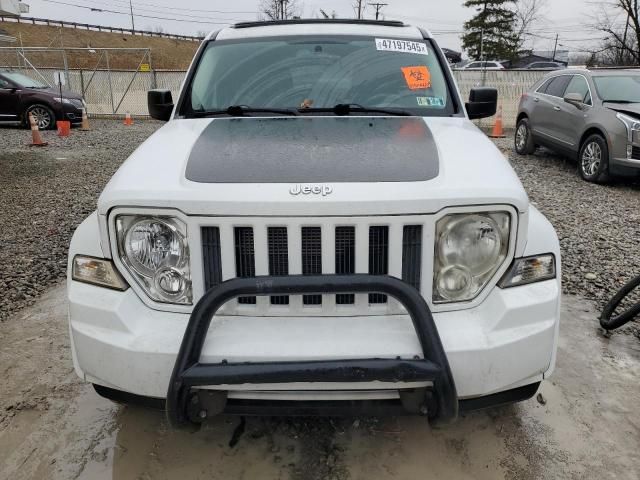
x=483, y=66
x=319, y=227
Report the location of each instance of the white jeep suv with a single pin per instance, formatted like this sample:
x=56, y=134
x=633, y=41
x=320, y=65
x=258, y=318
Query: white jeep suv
x=318, y=228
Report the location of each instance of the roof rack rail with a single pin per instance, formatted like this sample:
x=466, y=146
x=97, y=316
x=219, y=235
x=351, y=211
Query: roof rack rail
x=301, y=21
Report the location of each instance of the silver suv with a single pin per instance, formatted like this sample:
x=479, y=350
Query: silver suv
x=593, y=116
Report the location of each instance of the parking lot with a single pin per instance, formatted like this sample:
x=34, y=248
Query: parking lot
x=584, y=424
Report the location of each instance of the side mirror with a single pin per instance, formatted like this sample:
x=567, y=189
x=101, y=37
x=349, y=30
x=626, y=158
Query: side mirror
x=483, y=103
x=160, y=103
x=575, y=99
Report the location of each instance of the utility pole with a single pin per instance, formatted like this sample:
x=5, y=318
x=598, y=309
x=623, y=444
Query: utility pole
x=378, y=7
x=133, y=24
x=283, y=9
x=358, y=7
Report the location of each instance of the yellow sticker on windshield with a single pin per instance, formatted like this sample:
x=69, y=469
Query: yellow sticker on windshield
x=417, y=78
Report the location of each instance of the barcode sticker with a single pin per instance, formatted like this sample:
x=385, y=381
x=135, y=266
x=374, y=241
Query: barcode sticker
x=404, y=46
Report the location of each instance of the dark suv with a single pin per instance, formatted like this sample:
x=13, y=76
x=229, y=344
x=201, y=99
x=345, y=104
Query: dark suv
x=21, y=95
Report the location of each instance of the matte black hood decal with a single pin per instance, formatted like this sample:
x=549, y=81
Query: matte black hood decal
x=314, y=150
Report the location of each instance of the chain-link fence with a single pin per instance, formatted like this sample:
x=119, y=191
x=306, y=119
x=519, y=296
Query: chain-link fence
x=90, y=72
x=110, y=91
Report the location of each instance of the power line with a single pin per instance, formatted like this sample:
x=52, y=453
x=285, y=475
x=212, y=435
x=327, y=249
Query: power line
x=171, y=8
x=137, y=9
x=141, y=15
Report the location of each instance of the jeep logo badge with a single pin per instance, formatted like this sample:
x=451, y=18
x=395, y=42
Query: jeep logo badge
x=323, y=190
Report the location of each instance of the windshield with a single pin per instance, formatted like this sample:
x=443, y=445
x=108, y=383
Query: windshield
x=22, y=80
x=320, y=72
x=618, y=88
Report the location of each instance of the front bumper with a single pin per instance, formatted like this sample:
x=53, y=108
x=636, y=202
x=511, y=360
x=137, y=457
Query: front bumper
x=68, y=112
x=506, y=342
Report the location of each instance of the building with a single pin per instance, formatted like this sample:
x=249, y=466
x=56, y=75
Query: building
x=13, y=8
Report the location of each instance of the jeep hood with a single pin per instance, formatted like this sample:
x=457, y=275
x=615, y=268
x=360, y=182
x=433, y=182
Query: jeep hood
x=373, y=166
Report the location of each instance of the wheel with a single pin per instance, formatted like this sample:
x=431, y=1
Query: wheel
x=523, y=139
x=43, y=116
x=593, y=162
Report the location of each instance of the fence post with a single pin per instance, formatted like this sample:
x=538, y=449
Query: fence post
x=66, y=68
x=113, y=109
x=82, y=83
x=154, y=76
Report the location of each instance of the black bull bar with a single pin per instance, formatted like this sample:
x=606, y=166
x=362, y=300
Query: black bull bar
x=188, y=372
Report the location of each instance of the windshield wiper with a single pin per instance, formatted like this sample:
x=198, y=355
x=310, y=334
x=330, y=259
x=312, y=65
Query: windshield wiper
x=343, y=109
x=619, y=101
x=240, y=111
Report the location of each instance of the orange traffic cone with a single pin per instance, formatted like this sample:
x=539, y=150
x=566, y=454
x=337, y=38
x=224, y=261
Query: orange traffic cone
x=498, y=131
x=128, y=120
x=36, y=138
x=85, y=121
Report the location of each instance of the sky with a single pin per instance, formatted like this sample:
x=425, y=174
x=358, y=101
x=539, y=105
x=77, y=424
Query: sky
x=568, y=18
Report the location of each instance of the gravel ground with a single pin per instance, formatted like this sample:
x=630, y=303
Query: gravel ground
x=45, y=193
x=598, y=225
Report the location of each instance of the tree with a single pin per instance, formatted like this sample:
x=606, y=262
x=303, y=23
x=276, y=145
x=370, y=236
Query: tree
x=491, y=32
x=620, y=21
x=527, y=14
x=279, y=9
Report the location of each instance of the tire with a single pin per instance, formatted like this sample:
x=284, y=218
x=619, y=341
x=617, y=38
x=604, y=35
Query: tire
x=593, y=161
x=523, y=138
x=45, y=118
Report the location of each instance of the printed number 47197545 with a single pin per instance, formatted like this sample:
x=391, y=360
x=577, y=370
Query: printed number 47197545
x=404, y=46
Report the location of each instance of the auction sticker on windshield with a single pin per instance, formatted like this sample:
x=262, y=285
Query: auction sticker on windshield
x=404, y=46
x=417, y=78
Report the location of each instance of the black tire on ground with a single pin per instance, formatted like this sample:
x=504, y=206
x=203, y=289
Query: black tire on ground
x=593, y=161
x=45, y=118
x=523, y=138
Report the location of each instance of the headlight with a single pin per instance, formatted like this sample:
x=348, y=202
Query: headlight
x=470, y=248
x=156, y=253
x=62, y=100
x=632, y=125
